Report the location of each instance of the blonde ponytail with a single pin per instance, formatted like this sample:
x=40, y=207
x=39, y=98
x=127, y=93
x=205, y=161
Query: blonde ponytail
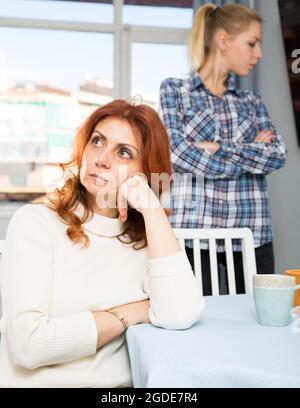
x=197, y=52
x=233, y=18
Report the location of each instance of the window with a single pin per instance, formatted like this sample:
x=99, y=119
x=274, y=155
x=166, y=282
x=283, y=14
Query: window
x=50, y=82
x=60, y=60
x=83, y=11
x=151, y=64
x=170, y=13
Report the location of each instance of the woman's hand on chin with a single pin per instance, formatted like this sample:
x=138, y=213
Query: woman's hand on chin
x=136, y=191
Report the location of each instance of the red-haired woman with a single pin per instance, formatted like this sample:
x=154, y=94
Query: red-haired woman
x=80, y=265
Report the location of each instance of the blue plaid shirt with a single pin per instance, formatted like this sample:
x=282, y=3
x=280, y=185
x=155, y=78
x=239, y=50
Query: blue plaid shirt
x=227, y=189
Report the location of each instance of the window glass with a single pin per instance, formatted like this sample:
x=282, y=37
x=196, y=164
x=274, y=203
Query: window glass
x=151, y=63
x=50, y=81
x=179, y=17
x=84, y=11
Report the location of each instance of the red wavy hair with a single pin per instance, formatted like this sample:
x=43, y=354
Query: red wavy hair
x=154, y=141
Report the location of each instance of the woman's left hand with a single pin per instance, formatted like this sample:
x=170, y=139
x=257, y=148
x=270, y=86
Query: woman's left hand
x=136, y=191
x=265, y=136
x=209, y=147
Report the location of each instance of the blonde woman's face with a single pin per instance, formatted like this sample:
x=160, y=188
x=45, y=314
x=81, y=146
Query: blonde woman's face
x=111, y=156
x=243, y=51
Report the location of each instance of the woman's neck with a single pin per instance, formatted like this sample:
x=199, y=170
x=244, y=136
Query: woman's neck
x=110, y=212
x=214, y=75
x=106, y=212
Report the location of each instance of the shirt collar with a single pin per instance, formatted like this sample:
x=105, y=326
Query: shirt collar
x=196, y=82
x=232, y=82
x=101, y=225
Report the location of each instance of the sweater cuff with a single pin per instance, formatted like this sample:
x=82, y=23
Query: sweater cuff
x=77, y=335
x=57, y=340
x=169, y=265
x=88, y=335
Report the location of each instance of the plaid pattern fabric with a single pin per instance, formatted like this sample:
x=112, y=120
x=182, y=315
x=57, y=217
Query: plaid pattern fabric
x=227, y=189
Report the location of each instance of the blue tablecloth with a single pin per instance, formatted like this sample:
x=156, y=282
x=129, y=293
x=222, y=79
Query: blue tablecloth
x=228, y=348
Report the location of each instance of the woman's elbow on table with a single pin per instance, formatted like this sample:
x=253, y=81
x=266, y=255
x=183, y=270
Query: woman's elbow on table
x=191, y=314
x=181, y=317
x=189, y=307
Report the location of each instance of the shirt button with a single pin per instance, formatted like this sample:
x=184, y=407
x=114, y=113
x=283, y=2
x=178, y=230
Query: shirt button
x=221, y=201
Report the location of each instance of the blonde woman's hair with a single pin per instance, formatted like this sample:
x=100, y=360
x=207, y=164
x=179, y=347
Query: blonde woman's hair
x=233, y=18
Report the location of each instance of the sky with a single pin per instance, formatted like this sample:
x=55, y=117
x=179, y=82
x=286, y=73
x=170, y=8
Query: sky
x=62, y=58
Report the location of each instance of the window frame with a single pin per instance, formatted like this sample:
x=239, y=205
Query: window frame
x=124, y=36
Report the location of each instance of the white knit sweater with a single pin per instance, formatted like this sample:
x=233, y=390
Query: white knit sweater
x=49, y=287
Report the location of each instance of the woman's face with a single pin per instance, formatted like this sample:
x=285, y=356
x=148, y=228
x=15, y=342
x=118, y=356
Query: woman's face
x=243, y=51
x=112, y=154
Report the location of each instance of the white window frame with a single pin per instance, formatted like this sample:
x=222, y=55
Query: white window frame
x=124, y=36
x=148, y=35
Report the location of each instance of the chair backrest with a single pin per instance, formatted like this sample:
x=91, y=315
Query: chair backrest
x=1, y=245
x=226, y=234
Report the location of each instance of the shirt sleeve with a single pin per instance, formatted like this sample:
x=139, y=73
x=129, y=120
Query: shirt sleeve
x=35, y=337
x=175, y=297
x=256, y=157
x=185, y=156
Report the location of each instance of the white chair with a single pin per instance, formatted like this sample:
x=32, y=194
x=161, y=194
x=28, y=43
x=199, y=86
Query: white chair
x=226, y=234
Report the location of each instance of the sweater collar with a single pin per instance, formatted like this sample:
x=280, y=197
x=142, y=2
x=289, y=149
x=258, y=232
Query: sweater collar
x=101, y=225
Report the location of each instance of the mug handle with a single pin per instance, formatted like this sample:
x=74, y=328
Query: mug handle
x=293, y=311
x=297, y=287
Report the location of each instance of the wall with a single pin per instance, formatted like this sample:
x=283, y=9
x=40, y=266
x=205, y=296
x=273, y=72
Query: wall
x=284, y=185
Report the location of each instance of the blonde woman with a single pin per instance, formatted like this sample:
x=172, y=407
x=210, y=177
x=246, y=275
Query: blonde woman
x=223, y=142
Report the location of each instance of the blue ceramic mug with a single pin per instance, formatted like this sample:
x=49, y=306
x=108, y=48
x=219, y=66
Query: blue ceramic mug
x=274, y=298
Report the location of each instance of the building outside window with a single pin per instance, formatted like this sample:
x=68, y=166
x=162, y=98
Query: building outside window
x=60, y=60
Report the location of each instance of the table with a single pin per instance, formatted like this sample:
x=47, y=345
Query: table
x=227, y=348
